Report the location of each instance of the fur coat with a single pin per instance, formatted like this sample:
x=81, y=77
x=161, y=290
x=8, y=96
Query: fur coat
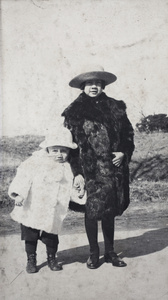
x=100, y=126
x=46, y=187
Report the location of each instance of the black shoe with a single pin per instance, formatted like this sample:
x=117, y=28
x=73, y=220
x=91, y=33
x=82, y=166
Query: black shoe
x=31, y=263
x=52, y=263
x=113, y=258
x=93, y=261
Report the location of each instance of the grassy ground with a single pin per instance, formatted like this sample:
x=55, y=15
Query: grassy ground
x=148, y=186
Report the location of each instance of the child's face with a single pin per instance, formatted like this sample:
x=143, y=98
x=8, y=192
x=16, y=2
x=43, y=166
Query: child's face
x=58, y=153
x=93, y=88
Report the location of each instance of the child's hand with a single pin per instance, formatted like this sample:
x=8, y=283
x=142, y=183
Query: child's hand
x=117, y=160
x=81, y=193
x=19, y=201
x=78, y=182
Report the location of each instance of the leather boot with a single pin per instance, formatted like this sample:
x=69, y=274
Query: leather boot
x=52, y=263
x=113, y=258
x=31, y=263
x=93, y=261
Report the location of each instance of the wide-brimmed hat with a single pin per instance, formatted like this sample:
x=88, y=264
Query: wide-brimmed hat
x=91, y=73
x=62, y=138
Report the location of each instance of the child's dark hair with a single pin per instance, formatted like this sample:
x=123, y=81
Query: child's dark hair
x=83, y=85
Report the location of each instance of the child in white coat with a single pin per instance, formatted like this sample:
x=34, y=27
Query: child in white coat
x=42, y=189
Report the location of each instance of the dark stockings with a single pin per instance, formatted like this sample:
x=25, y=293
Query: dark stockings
x=108, y=233
x=30, y=247
x=91, y=226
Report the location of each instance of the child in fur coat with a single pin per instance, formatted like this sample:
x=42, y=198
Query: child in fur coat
x=42, y=190
x=105, y=138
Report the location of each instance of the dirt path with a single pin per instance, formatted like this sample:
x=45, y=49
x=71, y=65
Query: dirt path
x=139, y=215
x=141, y=238
x=144, y=278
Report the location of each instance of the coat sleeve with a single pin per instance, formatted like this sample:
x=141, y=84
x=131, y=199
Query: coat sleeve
x=126, y=138
x=74, y=161
x=74, y=157
x=22, y=182
x=77, y=207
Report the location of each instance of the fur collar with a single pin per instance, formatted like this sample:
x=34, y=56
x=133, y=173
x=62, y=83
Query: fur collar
x=100, y=109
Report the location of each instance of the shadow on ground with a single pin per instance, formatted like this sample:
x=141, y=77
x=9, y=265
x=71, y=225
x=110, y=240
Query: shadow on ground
x=147, y=243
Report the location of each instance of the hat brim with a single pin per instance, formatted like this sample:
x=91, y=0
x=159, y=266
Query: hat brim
x=45, y=145
x=107, y=77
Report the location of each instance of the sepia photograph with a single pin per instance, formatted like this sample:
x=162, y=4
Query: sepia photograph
x=83, y=150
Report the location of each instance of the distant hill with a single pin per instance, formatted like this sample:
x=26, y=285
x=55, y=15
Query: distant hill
x=150, y=158
x=18, y=148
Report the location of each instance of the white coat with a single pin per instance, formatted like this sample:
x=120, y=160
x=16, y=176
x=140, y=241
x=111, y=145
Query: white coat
x=46, y=186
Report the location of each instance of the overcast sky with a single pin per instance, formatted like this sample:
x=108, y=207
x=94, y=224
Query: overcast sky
x=45, y=43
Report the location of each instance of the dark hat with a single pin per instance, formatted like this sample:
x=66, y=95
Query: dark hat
x=94, y=72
